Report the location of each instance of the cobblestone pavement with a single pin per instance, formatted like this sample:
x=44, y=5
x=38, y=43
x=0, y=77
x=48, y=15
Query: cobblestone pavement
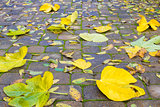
x=122, y=14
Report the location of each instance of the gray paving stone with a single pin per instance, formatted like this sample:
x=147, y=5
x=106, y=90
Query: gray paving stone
x=3, y=104
x=154, y=91
x=72, y=46
x=2, y=52
x=72, y=103
x=9, y=78
x=91, y=49
x=103, y=104
x=36, y=49
x=144, y=103
x=37, y=66
x=92, y=92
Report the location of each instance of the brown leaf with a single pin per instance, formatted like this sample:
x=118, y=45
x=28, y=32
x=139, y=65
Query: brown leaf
x=75, y=94
x=142, y=52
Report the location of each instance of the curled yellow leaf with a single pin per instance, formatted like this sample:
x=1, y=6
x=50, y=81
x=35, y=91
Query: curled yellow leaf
x=56, y=7
x=46, y=7
x=81, y=63
x=143, y=25
x=114, y=83
x=102, y=29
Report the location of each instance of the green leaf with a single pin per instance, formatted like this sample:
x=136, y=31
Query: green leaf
x=79, y=80
x=34, y=93
x=94, y=37
x=17, y=32
x=56, y=28
x=13, y=60
x=88, y=71
x=149, y=45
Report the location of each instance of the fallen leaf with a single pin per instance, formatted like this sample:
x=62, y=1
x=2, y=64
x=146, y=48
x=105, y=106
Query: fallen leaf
x=45, y=58
x=115, y=84
x=101, y=53
x=35, y=92
x=62, y=105
x=132, y=51
x=46, y=7
x=35, y=72
x=88, y=71
x=102, y=29
x=156, y=53
x=13, y=60
x=134, y=68
x=56, y=28
x=82, y=64
x=69, y=69
x=94, y=37
x=50, y=101
x=67, y=54
x=75, y=94
x=56, y=7
x=158, y=75
x=149, y=45
x=143, y=25
x=109, y=47
x=79, y=80
x=13, y=32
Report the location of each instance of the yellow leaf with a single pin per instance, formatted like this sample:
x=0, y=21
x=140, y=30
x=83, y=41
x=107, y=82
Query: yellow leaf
x=143, y=25
x=102, y=29
x=132, y=51
x=45, y=58
x=75, y=94
x=70, y=19
x=13, y=60
x=115, y=82
x=46, y=7
x=153, y=23
x=156, y=53
x=81, y=63
x=47, y=80
x=65, y=21
x=56, y=7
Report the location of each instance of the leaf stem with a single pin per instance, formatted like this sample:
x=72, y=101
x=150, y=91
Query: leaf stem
x=59, y=93
x=69, y=31
x=32, y=60
x=91, y=79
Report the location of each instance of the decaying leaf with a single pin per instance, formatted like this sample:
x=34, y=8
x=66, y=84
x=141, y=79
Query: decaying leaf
x=149, y=45
x=75, y=94
x=67, y=54
x=109, y=47
x=94, y=37
x=82, y=64
x=115, y=84
x=135, y=51
x=158, y=75
x=50, y=102
x=156, y=53
x=46, y=7
x=102, y=29
x=13, y=60
x=13, y=32
x=143, y=25
x=134, y=68
x=69, y=69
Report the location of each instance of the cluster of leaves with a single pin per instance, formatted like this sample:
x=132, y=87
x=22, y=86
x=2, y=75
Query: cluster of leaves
x=140, y=47
x=65, y=23
x=143, y=24
x=46, y=7
x=36, y=91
